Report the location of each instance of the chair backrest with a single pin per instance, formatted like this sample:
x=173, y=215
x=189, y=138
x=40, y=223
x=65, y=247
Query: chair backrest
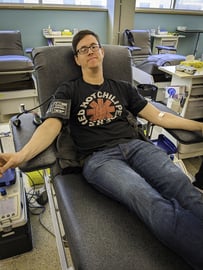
x=56, y=64
x=11, y=42
x=142, y=39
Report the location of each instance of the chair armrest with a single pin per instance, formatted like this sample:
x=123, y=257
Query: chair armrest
x=28, y=50
x=21, y=135
x=183, y=136
x=166, y=48
x=133, y=48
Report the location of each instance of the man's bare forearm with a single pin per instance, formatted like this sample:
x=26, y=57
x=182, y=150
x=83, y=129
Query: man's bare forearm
x=168, y=120
x=44, y=135
x=41, y=139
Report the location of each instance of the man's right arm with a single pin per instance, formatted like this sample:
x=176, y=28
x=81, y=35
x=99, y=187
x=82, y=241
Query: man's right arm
x=44, y=135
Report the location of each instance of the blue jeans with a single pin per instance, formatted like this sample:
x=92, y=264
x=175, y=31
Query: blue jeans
x=144, y=178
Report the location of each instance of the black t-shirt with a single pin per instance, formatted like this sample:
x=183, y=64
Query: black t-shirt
x=98, y=113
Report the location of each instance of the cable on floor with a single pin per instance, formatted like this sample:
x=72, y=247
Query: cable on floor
x=35, y=202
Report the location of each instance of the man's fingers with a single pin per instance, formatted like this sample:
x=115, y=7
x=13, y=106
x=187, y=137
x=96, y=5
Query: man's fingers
x=5, y=163
x=3, y=169
x=2, y=164
x=2, y=160
x=7, y=166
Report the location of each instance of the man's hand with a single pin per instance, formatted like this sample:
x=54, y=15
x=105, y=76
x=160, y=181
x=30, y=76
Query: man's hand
x=9, y=160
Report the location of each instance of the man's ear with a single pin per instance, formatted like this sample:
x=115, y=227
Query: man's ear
x=102, y=50
x=76, y=60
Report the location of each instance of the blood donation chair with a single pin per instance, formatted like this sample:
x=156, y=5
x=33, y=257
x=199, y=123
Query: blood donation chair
x=102, y=234
x=139, y=44
x=17, y=83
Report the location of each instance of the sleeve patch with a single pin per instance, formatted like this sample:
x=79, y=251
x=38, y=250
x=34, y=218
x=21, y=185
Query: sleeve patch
x=59, y=108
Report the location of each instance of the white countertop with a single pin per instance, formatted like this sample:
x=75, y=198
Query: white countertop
x=172, y=71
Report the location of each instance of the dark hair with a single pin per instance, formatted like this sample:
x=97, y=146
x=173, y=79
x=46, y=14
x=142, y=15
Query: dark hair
x=80, y=35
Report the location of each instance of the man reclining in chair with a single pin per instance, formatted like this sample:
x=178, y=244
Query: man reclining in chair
x=119, y=164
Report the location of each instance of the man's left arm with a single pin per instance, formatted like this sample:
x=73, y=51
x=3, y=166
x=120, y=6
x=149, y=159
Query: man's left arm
x=168, y=120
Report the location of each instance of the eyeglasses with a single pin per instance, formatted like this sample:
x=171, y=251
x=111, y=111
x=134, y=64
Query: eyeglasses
x=85, y=49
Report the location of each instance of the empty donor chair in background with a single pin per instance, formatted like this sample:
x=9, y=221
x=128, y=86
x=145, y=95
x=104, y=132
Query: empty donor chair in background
x=101, y=233
x=143, y=58
x=17, y=83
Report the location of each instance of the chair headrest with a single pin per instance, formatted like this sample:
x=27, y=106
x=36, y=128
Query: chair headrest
x=11, y=43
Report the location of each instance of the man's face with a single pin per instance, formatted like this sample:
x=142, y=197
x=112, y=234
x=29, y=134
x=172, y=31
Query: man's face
x=91, y=59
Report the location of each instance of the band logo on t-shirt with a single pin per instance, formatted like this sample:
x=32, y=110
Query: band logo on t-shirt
x=99, y=108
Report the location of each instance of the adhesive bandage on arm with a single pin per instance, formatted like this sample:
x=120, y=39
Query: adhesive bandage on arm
x=161, y=114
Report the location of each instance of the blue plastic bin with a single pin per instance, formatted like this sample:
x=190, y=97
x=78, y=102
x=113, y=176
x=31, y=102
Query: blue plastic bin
x=164, y=143
x=8, y=178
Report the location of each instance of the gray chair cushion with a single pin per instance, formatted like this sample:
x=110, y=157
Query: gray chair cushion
x=15, y=63
x=153, y=62
x=164, y=59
